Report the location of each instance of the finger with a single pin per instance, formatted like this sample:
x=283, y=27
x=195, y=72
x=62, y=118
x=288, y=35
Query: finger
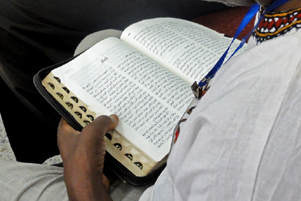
x=65, y=134
x=115, y=121
x=64, y=127
x=102, y=124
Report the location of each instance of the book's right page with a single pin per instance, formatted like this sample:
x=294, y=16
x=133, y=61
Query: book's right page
x=187, y=49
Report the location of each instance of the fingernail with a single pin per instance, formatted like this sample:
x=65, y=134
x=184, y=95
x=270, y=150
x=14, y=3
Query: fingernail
x=114, y=117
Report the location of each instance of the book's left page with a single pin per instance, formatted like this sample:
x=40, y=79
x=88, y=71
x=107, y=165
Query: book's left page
x=111, y=77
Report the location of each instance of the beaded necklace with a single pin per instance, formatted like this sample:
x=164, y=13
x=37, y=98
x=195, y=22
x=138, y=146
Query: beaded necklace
x=277, y=24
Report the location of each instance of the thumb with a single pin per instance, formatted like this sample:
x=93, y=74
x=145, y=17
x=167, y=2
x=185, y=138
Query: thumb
x=101, y=125
x=114, y=123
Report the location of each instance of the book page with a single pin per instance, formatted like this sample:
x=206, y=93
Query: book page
x=187, y=49
x=113, y=78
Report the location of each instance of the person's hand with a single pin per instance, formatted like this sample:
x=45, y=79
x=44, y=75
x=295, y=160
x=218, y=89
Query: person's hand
x=83, y=158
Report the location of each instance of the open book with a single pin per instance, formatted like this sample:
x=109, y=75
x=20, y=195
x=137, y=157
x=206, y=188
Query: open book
x=145, y=78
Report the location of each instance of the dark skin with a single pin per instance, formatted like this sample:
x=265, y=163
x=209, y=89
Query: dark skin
x=83, y=157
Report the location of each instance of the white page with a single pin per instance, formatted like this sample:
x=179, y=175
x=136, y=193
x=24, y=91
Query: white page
x=187, y=49
x=148, y=99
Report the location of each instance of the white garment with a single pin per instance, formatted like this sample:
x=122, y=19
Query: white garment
x=243, y=141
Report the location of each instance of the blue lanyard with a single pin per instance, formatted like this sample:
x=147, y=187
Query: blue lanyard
x=248, y=17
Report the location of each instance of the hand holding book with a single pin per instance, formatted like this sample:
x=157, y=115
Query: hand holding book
x=72, y=145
